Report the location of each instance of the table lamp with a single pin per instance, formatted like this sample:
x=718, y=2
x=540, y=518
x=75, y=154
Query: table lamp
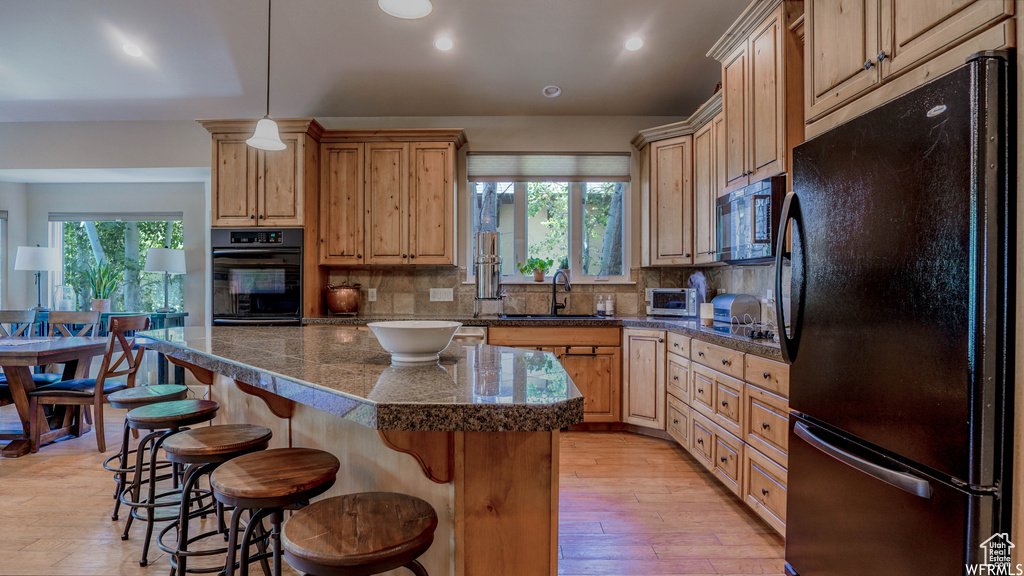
x=168, y=261
x=39, y=259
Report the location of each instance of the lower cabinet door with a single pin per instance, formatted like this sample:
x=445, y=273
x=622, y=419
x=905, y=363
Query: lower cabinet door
x=764, y=488
x=728, y=460
x=595, y=371
x=678, y=424
x=701, y=438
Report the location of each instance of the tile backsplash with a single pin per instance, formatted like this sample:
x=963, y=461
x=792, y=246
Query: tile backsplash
x=404, y=290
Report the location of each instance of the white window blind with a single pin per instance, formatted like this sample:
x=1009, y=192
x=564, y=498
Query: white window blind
x=114, y=216
x=505, y=167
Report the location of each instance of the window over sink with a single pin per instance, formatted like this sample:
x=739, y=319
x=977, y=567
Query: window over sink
x=568, y=208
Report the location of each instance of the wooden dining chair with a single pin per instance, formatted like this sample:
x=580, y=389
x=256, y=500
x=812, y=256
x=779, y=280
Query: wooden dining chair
x=83, y=392
x=66, y=323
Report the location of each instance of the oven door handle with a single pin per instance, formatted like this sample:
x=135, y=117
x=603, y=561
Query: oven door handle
x=246, y=251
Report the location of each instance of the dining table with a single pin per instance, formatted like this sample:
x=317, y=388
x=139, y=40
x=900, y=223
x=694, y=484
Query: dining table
x=18, y=356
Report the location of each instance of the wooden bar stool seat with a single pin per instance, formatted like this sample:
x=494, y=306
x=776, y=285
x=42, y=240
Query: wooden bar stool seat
x=162, y=419
x=203, y=450
x=128, y=399
x=360, y=534
x=269, y=482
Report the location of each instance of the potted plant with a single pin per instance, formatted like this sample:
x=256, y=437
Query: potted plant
x=538, y=266
x=102, y=281
x=564, y=265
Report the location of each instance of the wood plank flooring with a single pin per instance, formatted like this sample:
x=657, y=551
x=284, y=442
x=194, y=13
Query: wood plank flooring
x=630, y=505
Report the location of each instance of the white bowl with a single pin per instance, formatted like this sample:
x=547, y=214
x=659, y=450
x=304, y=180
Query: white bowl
x=414, y=340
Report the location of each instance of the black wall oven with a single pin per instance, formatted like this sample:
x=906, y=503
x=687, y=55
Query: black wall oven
x=257, y=276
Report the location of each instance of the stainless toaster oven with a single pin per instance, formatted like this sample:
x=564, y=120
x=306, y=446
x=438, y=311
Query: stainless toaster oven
x=672, y=302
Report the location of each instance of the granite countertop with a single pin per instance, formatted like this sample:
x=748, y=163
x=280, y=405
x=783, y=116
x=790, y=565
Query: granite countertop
x=730, y=337
x=348, y=374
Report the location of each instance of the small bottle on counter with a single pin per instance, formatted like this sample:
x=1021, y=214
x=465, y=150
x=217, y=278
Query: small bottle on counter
x=609, y=307
x=600, y=307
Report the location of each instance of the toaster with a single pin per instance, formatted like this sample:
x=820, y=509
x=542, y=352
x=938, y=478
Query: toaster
x=672, y=302
x=736, y=308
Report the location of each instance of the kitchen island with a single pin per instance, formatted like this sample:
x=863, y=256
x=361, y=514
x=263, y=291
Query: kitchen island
x=474, y=434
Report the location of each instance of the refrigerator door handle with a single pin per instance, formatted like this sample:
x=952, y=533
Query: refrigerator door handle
x=790, y=210
x=907, y=482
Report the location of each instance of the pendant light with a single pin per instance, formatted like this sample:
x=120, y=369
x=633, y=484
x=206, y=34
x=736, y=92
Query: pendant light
x=266, y=136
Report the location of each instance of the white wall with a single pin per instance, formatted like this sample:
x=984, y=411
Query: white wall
x=16, y=285
x=188, y=198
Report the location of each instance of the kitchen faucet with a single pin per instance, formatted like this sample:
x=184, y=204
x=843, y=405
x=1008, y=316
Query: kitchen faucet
x=555, y=306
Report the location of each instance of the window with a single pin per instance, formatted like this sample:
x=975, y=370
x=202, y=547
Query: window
x=122, y=240
x=570, y=209
x=3, y=254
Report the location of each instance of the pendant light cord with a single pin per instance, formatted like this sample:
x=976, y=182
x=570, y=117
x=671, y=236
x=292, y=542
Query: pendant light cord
x=269, y=8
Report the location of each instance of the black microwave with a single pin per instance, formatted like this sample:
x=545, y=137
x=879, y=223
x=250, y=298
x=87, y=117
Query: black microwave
x=748, y=220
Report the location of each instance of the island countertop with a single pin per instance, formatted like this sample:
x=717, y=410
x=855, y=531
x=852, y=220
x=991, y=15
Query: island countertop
x=343, y=372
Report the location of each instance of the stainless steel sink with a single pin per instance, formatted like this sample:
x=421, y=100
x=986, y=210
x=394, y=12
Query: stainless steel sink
x=550, y=316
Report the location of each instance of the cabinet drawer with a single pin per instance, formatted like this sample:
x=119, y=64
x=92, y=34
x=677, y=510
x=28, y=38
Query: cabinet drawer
x=678, y=377
x=728, y=460
x=678, y=424
x=703, y=387
x=679, y=344
x=765, y=489
x=767, y=423
x=717, y=357
x=701, y=438
x=767, y=374
x=729, y=404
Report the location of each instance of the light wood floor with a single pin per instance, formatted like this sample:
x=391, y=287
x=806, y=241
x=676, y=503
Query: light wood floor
x=630, y=505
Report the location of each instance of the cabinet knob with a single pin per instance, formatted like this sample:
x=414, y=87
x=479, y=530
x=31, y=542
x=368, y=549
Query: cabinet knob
x=882, y=55
x=252, y=217
x=700, y=390
x=700, y=440
x=767, y=376
x=868, y=64
x=674, y=421
x=725, y=403
x=405, y=255
x=764, y=491
x=725, y=362
x=765, y=425
x=675, y=377
x=687, y=255
x=412, y=256
x=359, y=256
x=701, y=354
x=722, y=458
x=661, y=339
x=676, y=344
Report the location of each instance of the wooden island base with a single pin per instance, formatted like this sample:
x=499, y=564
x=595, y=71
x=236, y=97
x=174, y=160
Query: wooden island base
x=495, y=493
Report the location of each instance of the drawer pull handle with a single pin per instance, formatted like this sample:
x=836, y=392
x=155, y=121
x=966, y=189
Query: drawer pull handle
x=700, y=390
x=700, y=441
x=725, y=403
x=661, y=340
x=767, y=376
x=700, y=353
x=723, y=458
x=674, y=421
x=725, y=362
x=676, y=344
x=765, y=426
x=676, y=377
x=868, y=64
x=764, y=491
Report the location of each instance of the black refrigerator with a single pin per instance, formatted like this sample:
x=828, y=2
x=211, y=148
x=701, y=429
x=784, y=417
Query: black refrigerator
x=900, y=336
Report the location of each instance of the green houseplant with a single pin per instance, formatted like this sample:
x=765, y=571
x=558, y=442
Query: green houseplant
x=539, y=266
x=564, y=265
x=102, y=281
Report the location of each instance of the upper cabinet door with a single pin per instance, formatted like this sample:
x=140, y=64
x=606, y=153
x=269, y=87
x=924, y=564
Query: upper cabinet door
x=840, y=59
x=386, y=196
x=279, y=187
x=341, y=204
x=913, y=30
x=720, y=140
x=705, y=192
x=735, y=108
x=234, y=181
x=672, y=201
x=431, y=203
x=767, y=98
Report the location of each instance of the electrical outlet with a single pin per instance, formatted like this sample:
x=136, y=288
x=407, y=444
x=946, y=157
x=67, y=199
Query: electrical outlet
x=770, y=293
x=721, y=290
x=441, y=295
x=371, y=294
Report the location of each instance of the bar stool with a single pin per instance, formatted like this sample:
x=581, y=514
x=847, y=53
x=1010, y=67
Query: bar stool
x=203, y=450
x=360, y=534
x=129, y=399
x=269, y=482
x=162, y=420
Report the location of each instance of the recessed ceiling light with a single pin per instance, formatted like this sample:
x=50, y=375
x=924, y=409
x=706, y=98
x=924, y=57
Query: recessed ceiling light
x=132, y=50
x=408, y=9
x=634, y=44
x=551, y=91
x=444, y=44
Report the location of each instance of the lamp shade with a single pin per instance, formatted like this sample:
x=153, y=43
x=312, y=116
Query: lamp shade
x=266, y=135
x=165, y=260
x=37, y=258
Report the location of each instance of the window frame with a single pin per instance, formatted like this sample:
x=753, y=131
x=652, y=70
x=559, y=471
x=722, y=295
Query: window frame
x=575, y=233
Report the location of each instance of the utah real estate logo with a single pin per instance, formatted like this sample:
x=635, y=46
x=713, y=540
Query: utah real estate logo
x=997, y=549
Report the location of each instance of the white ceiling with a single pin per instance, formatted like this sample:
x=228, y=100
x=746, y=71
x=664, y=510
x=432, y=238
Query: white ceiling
x=62, y=60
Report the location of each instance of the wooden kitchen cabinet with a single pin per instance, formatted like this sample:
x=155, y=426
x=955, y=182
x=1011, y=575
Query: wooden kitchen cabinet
x=341, y=204
x=671, y=201
x=764, y=489
x=591, y=357
x=251, y=187
x=856, y=47
x=705, y=194
x=758, y=73
x=643, y=378
x=387, y=202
